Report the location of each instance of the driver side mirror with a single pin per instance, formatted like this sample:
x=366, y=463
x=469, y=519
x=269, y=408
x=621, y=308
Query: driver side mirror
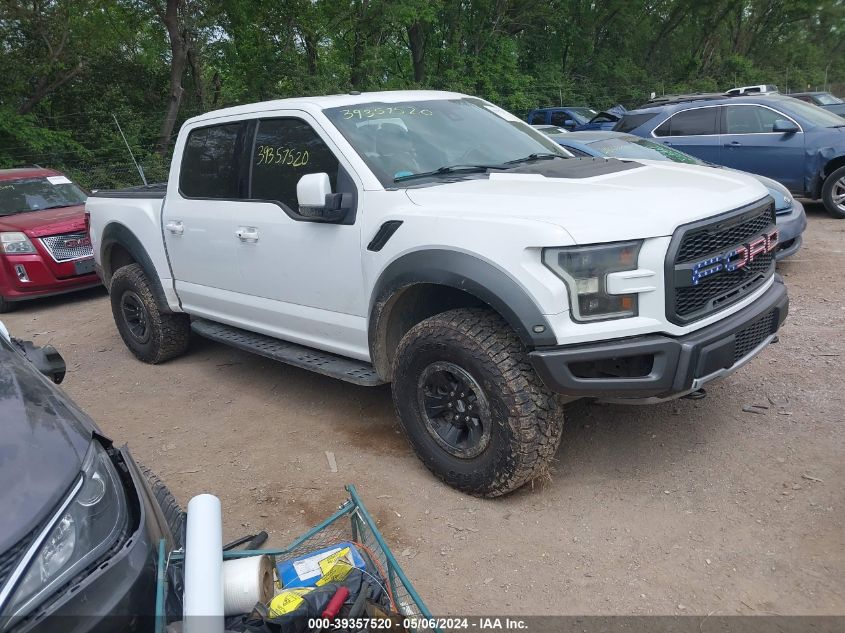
x=569, y=124
x=317, y=202
x=784, y=126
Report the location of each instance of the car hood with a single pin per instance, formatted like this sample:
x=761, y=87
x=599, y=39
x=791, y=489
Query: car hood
x=46, y=222
x=638, y=202
x=43, y=440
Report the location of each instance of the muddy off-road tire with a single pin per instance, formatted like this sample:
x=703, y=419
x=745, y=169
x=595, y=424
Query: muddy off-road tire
x=153, y=336
x=833, y=194
x=169, y=507
x=471, y=405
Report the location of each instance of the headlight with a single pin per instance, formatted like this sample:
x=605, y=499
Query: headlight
x=584, y=270
x=15, y=242
x=87, y=525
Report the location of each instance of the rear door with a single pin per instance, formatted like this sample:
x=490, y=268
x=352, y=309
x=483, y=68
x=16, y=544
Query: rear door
x=200, y=217
x=694, y=131
x=749, y=143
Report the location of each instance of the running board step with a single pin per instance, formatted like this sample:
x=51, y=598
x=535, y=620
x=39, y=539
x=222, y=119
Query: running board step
x=350, y=370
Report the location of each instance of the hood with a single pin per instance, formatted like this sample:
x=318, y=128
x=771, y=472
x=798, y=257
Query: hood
x=638, y=201
x=43, y=440
x=46, y=222
x=783, y=199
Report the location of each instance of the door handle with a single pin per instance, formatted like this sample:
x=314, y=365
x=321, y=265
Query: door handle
x=247, y=234
x=733, y=144
x=175, y=226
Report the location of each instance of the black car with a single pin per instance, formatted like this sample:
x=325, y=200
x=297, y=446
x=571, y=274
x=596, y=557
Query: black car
x=81, y=522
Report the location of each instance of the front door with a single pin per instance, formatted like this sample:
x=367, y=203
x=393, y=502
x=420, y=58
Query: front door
x=749, y=143
x=300, y=280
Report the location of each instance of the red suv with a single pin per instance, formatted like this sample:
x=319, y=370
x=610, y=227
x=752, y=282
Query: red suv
x=44, y=243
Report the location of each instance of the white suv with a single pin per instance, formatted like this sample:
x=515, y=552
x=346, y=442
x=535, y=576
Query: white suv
x=435, y=241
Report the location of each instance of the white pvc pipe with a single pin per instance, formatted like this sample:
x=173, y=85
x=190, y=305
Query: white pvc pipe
x=203, y=598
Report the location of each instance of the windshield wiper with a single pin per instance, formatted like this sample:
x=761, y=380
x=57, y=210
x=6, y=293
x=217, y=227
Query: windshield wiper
x=449, y=169
x=532, y=157
x=55, y=206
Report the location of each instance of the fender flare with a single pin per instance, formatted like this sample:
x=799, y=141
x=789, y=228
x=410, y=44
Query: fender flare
x=468, y=273
x=116, y=234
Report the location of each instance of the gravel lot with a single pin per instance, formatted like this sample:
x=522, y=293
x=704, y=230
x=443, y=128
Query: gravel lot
x=686, y=507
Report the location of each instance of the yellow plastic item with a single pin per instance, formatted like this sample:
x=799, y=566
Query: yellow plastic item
x=287, y=601
x=335, y=567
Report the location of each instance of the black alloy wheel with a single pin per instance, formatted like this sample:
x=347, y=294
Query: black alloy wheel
x=455, y=409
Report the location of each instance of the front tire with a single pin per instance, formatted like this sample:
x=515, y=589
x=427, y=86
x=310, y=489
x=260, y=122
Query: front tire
x=471, y=406
x=169, y=506
x=7, y=306
x=152, y=335
x=833, y=194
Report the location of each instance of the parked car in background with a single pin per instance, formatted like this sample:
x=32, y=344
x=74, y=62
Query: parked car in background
x=791, y=218
x=82, y=523
x=823, y=100
x=759, y=89
x=798, y=144
x=567, y=117
x=604, y=120
x=572, y=119
x=44, y=243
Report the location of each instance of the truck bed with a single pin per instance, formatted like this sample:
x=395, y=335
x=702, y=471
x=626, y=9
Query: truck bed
x=153, y=190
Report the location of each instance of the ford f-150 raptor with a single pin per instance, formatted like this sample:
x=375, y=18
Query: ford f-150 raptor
x=434, y=241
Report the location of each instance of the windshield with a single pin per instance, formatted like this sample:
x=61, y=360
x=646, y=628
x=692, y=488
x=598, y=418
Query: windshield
x=583, y=115
x=34, y=194
x=813, y=114
x=642, y=149
x=398, y=140
x=827, y=99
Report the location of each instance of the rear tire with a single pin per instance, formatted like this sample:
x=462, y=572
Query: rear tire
x=508, y=425
x=169, y=507
x=7, y=306
x=152, y=335
x=833, y=194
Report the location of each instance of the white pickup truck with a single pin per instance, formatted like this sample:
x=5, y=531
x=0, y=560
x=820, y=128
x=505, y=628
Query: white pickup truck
x=434, y=241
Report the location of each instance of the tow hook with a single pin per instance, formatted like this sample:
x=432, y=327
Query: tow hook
x=699, y=394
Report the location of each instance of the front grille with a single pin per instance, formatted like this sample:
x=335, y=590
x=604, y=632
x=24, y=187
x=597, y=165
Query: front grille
x=68, y=246
x=706, y=240
x=687, y=300
x=721, y=289
x=751, y=336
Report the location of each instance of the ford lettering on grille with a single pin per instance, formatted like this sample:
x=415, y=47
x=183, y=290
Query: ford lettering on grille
x=715, y=262
x=691, y=274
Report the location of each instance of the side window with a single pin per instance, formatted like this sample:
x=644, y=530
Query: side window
x=750, y=120
x=284, y=151
x=696, y=122
x=538, y=118
x=212, y=162
x=559, y=118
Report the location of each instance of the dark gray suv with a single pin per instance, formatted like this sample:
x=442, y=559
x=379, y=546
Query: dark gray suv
x=81, y=522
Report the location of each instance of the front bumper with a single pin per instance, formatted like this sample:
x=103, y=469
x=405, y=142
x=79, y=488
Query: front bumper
x=790, y=228
x=656, y=367
x=119, y=594
x=43, y=278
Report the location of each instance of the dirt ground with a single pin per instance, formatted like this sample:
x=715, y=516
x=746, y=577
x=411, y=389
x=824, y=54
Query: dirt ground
x=685, y=507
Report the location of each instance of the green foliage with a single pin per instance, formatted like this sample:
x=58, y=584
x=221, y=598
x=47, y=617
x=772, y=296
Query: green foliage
x=72, y=66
